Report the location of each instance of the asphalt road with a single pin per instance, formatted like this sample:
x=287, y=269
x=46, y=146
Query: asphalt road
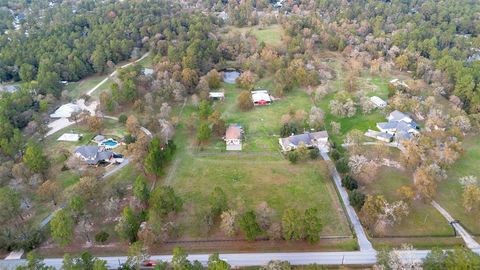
x=363, y=241
x=242, y=259
x=257, y=259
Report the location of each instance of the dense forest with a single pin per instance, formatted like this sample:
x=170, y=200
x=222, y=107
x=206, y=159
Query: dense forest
x=69, y=42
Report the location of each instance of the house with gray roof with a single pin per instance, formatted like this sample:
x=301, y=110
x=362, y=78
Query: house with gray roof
x=400, y=127
x=381, y=136
x=93, y=154
x=399, y=116
x=310, y=140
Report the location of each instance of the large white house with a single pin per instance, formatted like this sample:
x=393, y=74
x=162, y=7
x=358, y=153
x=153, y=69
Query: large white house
x=233, y=137
x=66, y=110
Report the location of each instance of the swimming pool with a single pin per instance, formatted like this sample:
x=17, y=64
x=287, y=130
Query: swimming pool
x=109, y=144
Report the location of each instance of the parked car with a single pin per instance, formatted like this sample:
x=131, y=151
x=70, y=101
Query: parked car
x=149, y=263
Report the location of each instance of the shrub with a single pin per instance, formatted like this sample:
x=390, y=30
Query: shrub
x=334, y=145
x=122, y=118
x=357, y=199
x=101, y=237
x=335, y=154
x=314, y=153
x=293, y=157
x=342, y=165
x=129, y=138
x=244, y=101
x=349, y=183
x=288, y=129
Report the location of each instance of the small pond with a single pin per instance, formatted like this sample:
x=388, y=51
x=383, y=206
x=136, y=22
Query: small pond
x=229, y=76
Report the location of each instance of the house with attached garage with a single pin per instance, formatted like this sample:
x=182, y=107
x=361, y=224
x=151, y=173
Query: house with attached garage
x=233, y=137
x=400, y=127
x=310, y=140
x=93, y=155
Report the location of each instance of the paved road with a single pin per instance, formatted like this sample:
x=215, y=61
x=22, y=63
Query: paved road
x=363, y=241
x=256, y=259
x=467, y=238
x=117, y=168
x=243, y=259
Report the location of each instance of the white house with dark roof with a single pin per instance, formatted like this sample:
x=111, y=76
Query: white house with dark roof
x=310, y=140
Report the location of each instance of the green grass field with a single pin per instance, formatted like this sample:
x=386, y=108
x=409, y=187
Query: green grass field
x=258, y=173
x=372, y=85
x=423, y=220
x=77, y=89
x=261, y=124
x=449, y=194
x=271, y=35
x=251, y=179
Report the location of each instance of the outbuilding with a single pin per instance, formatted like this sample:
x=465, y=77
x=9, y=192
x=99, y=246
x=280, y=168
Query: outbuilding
x=216, y=95
x=233, y=137
x=261, y=98
x=378, y=102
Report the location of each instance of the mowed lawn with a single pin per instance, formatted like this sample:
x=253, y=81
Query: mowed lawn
x=423, y=219
x=371, y=85
x=270, y=35
x=77, y=89
x=262, y=123
x=259, y=173
x=449, y=194
x=250, y=179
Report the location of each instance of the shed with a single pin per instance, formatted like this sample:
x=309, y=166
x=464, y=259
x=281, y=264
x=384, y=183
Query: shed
x=378, y=102
x=261, y=97
x=216, y=95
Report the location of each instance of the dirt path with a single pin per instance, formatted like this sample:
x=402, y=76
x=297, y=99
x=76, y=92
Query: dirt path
x=90, y=92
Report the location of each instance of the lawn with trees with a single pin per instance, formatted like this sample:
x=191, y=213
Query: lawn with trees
x=451, y=192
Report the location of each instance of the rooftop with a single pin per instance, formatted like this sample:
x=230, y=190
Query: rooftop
x=234, y=132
